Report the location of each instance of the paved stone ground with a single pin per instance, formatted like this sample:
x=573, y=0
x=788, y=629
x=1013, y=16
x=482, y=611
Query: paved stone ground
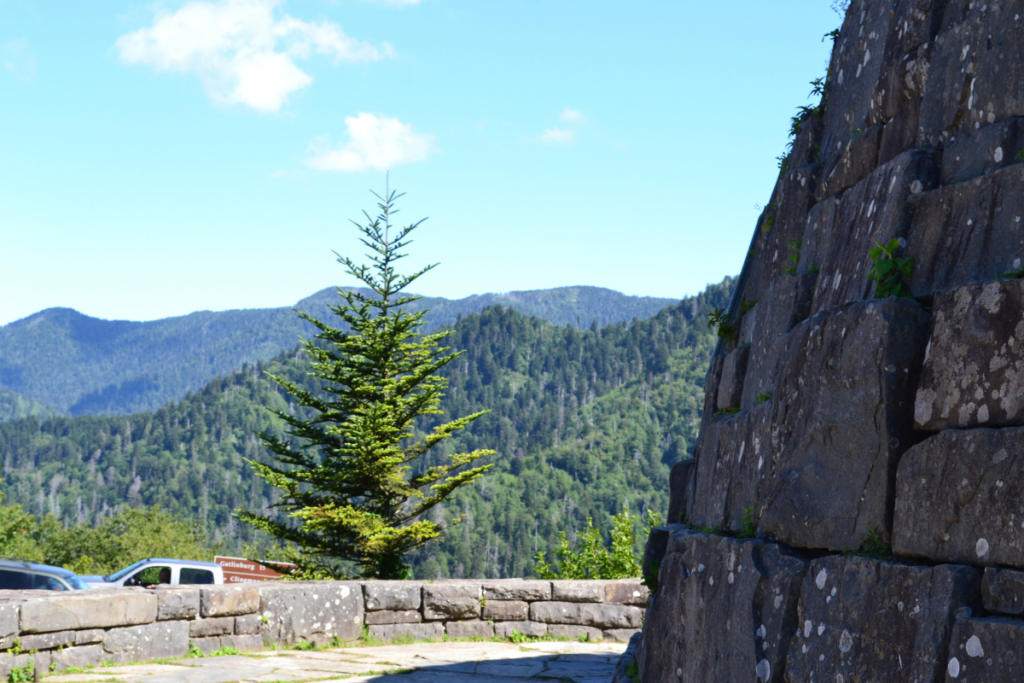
x=457, y=662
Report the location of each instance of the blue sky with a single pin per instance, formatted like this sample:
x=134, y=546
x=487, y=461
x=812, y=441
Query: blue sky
x=161, y=158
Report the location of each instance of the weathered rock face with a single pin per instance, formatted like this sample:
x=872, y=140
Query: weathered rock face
x=312, y=612
x=986, y=651
x=725, y=611
x=1002, y=591
x=728, y=478
x=875, y=621
x=968, y=232
x=876, y=209
x=974, y=372
x=845, y=422
x=841, y=420
x=959, y=498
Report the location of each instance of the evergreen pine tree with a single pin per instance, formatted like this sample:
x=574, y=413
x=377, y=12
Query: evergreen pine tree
x=345, y=476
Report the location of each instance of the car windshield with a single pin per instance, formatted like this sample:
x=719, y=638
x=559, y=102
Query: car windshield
x=76, y=583
x=121, y=574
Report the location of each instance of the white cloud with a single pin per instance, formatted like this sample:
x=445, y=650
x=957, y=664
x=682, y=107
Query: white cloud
x=374, y=142
x=573, y=116
x=243, y=51
x=18, y=60
x=558, y=136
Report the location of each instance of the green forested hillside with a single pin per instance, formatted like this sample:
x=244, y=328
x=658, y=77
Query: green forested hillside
x=13, y=407
x=80, y=365
x=583, y=421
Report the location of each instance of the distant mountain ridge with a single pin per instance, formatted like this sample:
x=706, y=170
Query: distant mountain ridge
x=62, y=361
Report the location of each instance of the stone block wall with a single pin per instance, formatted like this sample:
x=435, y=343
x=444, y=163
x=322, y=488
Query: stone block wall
x=837, y=423
x=74, y=629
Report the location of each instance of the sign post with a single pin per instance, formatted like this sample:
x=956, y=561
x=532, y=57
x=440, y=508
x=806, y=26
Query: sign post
x=241, y=570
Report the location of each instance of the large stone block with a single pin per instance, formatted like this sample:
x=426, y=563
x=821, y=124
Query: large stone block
x=8, y=619
x=506, y=610
x=81, y=610
x=817, y=236
x=158, y=640
x=725, y=611
x=854, y=71
x=451, y=601
x=586, y=614
x=47, y=641
x=876, y=209
x=473, y=628
x=392, y=595
x=402, y=616
x=986, y=651
x=228, y=600
x=253, y=643
x=851, y=164
x=517, y=589
x=958, y=498
x=573, y=632
x=678, y=491
x=249, y=625
x=531, y=629
x=626, y=592
x=968, y=232
x=900, y=134
x=976, y=75
x=1002, y=591
x=730, y=476
x=311, y=611
x=786, y=303
x=730, y=388
x=864, y=620
x=216, y=626
x=782, y=222
x=989, y=149
x=841, y=421
x=78, y=657
x=901, y=82
x=388, y=632
x=974, y=372
x=578, y=591
x=177, y=603
x=89, y=636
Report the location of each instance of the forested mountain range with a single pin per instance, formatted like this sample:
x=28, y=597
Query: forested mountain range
x=59, y=360
x=583, y=420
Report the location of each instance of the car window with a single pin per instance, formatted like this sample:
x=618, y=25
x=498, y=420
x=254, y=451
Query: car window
x=77, y=583
x=14, y=580
x=150, y=576
x=46, y=583
x=190, y=575
x=127, y=570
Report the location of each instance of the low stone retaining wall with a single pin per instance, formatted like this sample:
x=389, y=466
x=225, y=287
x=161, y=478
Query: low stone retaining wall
x=55, y=631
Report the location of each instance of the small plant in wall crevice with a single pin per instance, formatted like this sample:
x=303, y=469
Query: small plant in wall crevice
x=888, y=270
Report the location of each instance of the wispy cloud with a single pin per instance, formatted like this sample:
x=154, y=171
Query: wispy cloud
x=243, y=51
x=564, y=135
x=558, y=136
x=374, y=142
x=572, y=116
x=18, y=60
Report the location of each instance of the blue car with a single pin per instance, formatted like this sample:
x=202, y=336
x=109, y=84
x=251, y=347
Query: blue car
x=20, y=575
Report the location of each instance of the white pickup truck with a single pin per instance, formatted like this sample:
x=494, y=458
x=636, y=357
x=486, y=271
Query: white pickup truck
x=159, y=570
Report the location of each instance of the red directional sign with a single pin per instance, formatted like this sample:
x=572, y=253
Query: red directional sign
x=241, y=570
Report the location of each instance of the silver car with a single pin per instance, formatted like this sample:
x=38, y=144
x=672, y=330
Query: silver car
x=155, y=571
x=22, y=575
